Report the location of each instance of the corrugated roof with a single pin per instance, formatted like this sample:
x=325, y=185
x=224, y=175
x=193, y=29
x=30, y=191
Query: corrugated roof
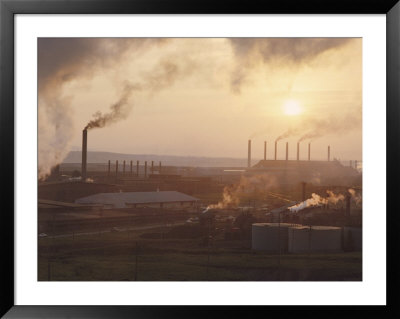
x=52, y=203
x=119, y=200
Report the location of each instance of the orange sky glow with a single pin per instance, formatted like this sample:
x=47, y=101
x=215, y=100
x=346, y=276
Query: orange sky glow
x=200, y=96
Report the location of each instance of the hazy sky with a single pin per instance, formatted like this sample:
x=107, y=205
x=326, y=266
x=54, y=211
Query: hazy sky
x=200, y=97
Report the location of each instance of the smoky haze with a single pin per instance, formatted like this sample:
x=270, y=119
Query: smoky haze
x=64, y=60
x=314, y=127
x=162, y=76
x=118, y=111
x=132, y=70
x=293, y=52
x=289, y=133
x=338, y=124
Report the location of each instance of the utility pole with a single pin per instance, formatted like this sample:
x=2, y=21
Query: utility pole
x=208, y=247
x=136, y=261
x=279, y=245
x=303, y=185
x=48, y=269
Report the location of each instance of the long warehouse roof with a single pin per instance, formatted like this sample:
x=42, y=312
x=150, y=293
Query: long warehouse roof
x=119, y=200
x=45, y=203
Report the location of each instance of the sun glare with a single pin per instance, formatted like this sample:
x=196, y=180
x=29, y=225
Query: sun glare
x=292, y=107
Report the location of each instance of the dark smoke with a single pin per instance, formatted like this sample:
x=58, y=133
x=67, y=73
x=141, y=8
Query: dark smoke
x=332, y=125
x=162, y=76
x=290, y=132
x=118, y=111
x=292, y=52
x=63, y=60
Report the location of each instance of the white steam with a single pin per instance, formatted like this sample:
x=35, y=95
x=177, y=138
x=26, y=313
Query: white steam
x=317, y=200
x=231, y=196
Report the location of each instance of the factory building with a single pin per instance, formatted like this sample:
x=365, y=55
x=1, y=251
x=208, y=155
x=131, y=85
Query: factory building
x=292, y=172
x=161, y=199
x=302, y=170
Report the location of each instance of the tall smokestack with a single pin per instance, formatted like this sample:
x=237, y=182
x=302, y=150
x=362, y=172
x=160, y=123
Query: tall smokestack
x=287, y=150
x=329, y=153
x=159, y=168
x=84, y=154
x=116, y=169
x=152, y=167
x=145, y=169
x=137, y=168
x=309, y=151
x=249, y=154
x=109, y=169
x=131, y=167
x=298, y=151
x=265, y=150
x=276, y=145
x=123, y=169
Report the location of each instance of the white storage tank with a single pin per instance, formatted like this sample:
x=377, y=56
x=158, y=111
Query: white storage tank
x=304, y=239
x=352, y=238
x=270, y=237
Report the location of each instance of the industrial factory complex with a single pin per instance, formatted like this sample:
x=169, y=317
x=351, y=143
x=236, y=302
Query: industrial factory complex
x=200, y=159
x=275, y=207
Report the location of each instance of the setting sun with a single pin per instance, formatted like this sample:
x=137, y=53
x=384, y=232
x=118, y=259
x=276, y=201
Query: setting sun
x=292, y=107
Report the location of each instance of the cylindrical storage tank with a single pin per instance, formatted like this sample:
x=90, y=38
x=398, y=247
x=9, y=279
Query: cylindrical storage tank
x=299, y=239
x=352, y=238
x=270, y=237
x=304, y=239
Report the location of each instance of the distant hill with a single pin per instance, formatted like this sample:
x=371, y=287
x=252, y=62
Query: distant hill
x=167, y=160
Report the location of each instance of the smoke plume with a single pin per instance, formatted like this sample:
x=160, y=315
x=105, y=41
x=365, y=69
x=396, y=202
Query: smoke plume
x=230, y=199
x=289, y=133
x=162, y=76
x=232, y=195
x=356, y=197
x=332, y=124
x=118, y=111
x=317, y=200
x=62, y=61
x=292, y=52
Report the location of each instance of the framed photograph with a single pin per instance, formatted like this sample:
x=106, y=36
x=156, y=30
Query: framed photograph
x=173, y=154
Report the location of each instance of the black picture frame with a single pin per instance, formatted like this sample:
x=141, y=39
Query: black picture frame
x=8, y=10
